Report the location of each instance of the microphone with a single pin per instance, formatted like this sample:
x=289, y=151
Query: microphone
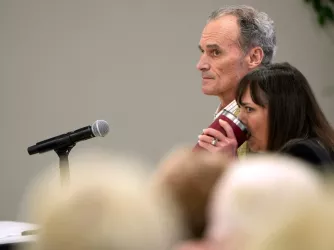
x=227, y=114
x=99, y=128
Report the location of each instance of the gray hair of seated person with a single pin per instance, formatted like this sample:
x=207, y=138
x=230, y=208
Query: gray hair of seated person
x=270, y=202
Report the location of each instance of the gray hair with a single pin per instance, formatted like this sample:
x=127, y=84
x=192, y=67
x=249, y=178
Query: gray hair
x=256, y=29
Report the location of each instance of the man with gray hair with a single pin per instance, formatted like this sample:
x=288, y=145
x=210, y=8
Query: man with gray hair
x=235, y=40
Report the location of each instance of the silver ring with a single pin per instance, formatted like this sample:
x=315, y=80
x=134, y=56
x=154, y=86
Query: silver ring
x=214, y=142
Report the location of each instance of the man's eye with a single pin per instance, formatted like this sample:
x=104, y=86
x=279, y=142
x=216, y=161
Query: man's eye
x=215, y=52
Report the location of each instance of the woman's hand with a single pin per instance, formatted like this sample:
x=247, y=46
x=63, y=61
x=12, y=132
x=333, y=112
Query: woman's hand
x=215, y=141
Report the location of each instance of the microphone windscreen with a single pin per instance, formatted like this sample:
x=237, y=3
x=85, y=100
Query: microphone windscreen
x=100, y=128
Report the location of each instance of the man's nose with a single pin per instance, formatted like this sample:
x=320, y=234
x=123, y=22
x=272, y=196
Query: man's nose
x=203, y=64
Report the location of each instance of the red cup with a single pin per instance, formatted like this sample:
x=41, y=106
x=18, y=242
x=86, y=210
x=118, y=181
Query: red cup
x=239, y=129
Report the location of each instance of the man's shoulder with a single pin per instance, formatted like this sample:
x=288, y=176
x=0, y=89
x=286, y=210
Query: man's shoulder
x=237, y=111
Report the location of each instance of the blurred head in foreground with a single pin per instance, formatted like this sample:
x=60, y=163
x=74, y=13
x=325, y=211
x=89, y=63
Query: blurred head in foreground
x=268, y=202
x=188, y=178
x=107, y=205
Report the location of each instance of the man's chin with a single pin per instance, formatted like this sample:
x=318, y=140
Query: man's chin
x=208, y=92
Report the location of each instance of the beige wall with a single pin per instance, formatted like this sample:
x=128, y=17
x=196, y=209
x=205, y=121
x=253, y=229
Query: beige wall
x=66, y=63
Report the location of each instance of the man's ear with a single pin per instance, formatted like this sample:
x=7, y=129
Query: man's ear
x=255, y=57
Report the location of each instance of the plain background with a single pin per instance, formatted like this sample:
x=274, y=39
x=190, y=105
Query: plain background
x=66, y=63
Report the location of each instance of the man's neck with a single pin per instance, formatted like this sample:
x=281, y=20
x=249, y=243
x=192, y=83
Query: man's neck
x=225, y=100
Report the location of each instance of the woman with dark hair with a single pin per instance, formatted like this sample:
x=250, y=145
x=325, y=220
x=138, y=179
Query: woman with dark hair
x=282, y=115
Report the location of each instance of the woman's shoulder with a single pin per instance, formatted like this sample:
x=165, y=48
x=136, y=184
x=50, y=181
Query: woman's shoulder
x=310, y=150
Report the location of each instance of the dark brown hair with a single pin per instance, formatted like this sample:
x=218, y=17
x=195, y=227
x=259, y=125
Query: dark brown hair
x=293, y=112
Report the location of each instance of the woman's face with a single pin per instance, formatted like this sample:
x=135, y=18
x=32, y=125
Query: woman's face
x=255, y=118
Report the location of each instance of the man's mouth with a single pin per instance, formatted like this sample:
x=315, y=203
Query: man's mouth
x=207, y=76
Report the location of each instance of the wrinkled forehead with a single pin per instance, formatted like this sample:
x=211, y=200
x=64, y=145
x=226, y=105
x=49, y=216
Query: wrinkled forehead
x=222, y=30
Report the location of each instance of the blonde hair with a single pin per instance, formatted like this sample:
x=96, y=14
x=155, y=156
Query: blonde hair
x=107, y=205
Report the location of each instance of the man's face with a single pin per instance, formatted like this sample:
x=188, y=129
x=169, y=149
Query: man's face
x=222, y=61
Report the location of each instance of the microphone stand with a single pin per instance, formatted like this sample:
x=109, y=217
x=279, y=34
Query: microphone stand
x=64, y=163
x=64, y=174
